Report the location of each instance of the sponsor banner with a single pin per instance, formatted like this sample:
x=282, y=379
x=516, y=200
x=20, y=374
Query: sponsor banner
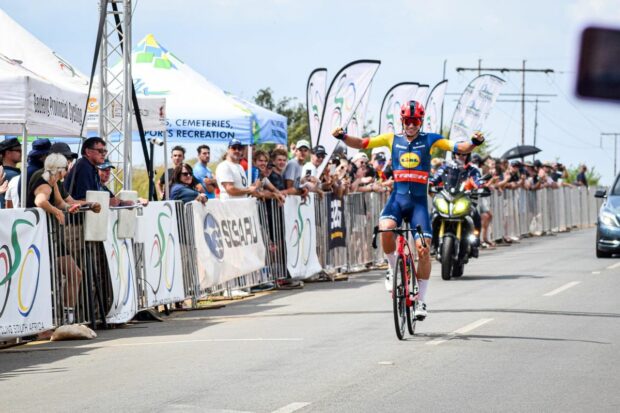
x=25, y=287
x=421, y=94
x=474, y=106
x=315, y=100
x=344, y=96
x=434, y=104
x=158, y=231
x=357, y=125
x=389, y=116
x=152, y=114
x=119, y=253
x=336, y=222
x=229, y=241
x=302, y=260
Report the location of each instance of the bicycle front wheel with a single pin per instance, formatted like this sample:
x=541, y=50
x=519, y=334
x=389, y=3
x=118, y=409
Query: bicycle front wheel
x=399, y=299
x=413, y=290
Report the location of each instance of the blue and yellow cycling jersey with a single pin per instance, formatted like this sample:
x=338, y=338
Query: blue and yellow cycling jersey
x=411, y=161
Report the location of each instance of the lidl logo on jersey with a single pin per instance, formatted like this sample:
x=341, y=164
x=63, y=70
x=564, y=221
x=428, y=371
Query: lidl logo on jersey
x=409, y=160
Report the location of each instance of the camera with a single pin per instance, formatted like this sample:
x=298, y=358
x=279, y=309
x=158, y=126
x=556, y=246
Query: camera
x=598, y=73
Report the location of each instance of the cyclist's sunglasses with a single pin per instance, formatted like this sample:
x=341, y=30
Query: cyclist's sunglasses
x=408, y=121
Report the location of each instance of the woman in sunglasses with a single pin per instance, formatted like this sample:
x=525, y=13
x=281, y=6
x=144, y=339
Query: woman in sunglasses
x=182, y=188
x=411, y=164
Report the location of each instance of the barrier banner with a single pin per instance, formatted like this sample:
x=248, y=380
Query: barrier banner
x=25, y=287
x=336, y=222
x=229, y=241
x=157, y=230
x=302, y=260
x=119, y=253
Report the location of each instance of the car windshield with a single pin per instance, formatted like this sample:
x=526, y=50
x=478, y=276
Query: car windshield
x=616, y=189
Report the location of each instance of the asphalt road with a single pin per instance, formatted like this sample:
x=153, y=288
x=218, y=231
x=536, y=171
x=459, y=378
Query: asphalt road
x=530, y=327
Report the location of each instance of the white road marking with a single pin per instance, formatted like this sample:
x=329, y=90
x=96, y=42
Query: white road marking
x=562, y=288
x=462, y=330
x=596, y=272
x=616, y=265
x=386, y=363
x=289, y=408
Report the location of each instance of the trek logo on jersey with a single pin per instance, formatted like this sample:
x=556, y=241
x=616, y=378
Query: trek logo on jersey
x=409, y=160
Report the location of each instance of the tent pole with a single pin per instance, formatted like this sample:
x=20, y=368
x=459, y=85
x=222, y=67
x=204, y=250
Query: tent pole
x=166, y=194
x=24, y=171
x=249, y=165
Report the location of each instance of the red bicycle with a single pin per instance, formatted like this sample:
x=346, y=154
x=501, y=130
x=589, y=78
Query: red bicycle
x=404, y=280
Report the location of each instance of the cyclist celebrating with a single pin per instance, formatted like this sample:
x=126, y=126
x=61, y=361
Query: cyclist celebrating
x=411, y=162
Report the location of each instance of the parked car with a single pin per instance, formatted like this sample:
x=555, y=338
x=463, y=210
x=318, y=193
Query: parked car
x=608, y=221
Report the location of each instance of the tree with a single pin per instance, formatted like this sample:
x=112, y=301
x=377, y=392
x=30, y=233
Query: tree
x=296, y=113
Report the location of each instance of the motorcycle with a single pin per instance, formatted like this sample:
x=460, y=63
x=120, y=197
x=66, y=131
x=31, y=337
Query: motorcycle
x=452, y=221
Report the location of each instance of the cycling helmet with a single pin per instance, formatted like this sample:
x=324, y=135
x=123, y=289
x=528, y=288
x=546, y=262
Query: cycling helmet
x=412, y=109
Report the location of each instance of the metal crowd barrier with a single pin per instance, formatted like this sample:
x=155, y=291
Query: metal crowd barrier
x=518, y=213
x=81, y=281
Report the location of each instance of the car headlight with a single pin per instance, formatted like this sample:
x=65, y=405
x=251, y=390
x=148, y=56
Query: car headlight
x=461, y=206
x=609, y=219
x=441, y=204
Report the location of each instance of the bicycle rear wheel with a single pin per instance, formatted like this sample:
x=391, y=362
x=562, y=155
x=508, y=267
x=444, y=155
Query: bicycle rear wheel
x=413, y=290
x=399, y=302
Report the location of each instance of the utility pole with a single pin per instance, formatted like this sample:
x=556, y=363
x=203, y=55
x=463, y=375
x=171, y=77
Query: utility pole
x=522, y=70
x=615, y=135
x=535, y=120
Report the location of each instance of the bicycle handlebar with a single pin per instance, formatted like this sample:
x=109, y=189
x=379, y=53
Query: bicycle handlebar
x=398, y=231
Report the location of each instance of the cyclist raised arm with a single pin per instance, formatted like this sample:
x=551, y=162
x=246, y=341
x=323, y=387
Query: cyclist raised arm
x=411, y=162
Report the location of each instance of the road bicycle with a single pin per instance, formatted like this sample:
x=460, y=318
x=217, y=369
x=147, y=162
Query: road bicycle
x=404, y=280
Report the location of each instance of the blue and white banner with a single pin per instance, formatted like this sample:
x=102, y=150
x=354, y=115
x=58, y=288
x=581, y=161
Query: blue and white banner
x=25, y=286
x=119, y=253
x=474, y=106
x=389, y=115
x=315, y=101
x=229, y=241
x=434, y=104
x=302, y=260
x=157, y=230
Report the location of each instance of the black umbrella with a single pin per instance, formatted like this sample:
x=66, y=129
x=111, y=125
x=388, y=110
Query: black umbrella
x=520, y=152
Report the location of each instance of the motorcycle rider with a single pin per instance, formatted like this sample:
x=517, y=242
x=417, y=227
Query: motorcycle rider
x=473, y=181
x=411, y=157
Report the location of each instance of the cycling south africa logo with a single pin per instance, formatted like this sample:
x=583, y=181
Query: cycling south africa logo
x=213, y=237
x=19, y=266
x=162, y=250
x=120, y=268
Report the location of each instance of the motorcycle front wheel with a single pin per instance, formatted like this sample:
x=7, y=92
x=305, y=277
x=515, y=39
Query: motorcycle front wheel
x=447, y=246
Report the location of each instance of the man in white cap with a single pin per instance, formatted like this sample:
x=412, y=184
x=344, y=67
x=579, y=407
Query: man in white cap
x=292, y=172
x=231, y=177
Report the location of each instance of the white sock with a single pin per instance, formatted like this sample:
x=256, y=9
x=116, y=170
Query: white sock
x=423, y=287
x=391, y=258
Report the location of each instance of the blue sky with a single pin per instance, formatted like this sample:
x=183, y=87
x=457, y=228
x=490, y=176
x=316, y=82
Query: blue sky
x=245, y=45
